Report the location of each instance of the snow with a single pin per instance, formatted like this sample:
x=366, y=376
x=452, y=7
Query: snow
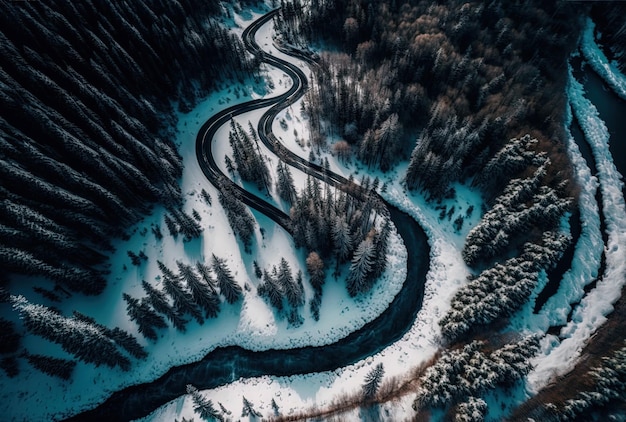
x=446, y=274
x=251, y=323
x=600, y=64
x=591, y=313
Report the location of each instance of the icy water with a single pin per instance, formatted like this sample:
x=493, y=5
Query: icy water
x=612, y=111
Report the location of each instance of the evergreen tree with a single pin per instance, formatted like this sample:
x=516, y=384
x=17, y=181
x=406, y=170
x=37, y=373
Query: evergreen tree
x=158, y=300
x=380, y=249
x=205, y=272
x=9, y=338
x=284, y=185
x=56, y=367
x=315, y=268
x=229, y=288
x=183, y=300
x=248, y=409
x=203, y=295
x=359, y=278
x=122, y=338
x=342, y=239
x=202, y=405
x=372, y=381
x=144, y=316
x=84, y=340
x=271, y=289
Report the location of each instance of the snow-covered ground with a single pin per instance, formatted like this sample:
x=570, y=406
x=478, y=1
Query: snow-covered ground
x=591, y=313
x=599, y=62
x=448, y=272
x=254, y=325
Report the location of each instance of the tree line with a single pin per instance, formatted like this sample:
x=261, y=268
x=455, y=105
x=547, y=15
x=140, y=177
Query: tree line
x=193, y=291
x=85, y=135
x=465, y=77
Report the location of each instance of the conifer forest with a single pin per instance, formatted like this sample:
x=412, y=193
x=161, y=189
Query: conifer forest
x=282, y=210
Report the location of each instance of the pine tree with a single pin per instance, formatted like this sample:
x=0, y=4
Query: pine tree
x=9, y=338
x=144, y=316
x=248, y=409
x=229, y=288
x=56, y=367
x=380, y=249
x=183, y=300
x=358, y=280
x=206, y=196
x=84, y=340
x=294, y=291
x=271, y=290
x=158, y=300
x=284, y=184
x=205, y=272
x=342, y=240
x=202, y=405
x=275, y=407
x=203, y=295
x=372, y=382
x=122, y=338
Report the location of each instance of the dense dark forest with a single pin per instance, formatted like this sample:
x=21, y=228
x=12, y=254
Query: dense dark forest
x=461, y=77
x=88, y=97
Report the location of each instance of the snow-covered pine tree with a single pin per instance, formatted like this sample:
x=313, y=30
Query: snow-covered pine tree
x=122, y=338
x=284, y=184
x=342, y=239
x=381, y=246
x=83, y=340
x=205, y=272
x=229, y=288
x=238, y=215
x=183, y=300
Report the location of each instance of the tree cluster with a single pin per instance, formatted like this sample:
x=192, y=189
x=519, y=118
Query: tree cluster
x=239, y=217
x=607, y=387
x=468, y=76
x=83, y=143
x=502, y=289
x=343, y=226
x=193, y=291
x=463, y=375
x=77, y=335
x=177, y=221
x=525, y=206
x=280, y=286
x=249, y=162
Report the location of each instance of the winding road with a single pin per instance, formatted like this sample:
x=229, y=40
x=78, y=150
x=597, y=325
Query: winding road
x=225, y=364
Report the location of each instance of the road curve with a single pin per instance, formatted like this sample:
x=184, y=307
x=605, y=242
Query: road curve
x=226, y=364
